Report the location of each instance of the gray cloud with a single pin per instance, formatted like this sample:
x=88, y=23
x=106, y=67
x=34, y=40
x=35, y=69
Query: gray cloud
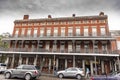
x=58, y=6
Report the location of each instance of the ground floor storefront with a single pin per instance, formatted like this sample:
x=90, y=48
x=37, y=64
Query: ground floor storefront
x=50, y=62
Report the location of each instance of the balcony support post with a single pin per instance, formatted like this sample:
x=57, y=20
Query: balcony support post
x=49, y=64
x=20, y=59
x=12, y=63
x=83, y=64
x=91, y=67
x=57, y=64
x=95, y=65
x=118, y=61
x=73, y=60
x=54, y=66
x=102, y=65
x=35, y=60
x=65, y=63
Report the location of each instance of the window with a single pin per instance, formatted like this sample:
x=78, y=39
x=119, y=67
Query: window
x=70, y=47
x=86, y=47
x=93, y=21
x=48, y=31
x=94, y=31
x=63, y=31
x=96, y=48
x=77, y=46
x=70, y=31
x=70, y=22
x=20, y=67
x=30, y=24
x=85, y=21
x=23, y=31
x=103, y=33
x=16, y=32
x=62, y=47
x=55, y=31
x=54, y=47
x=47, y=46
x=118, y=45
x=73, y=69
x=36, y=24
x=77, y=31
x=43, y=23
x=24, y=24
x=41, y=32
x=62, y=22
x=28, y=68
x=56, y=23
x=104, y=48
x=35, y=32
x=49, y=23
x=85, y=31
x=77, y=22
x=29, y=32
x=101, y=21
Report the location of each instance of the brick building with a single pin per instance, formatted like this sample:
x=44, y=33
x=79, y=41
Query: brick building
x=77, y=41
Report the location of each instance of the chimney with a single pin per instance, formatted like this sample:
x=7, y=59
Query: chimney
x=49, y=16
x=26, y=17
x=101, y=14
x=73, y=15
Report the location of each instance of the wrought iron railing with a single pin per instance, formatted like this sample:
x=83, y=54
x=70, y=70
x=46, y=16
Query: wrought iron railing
x=73, y=35
x=58, y=50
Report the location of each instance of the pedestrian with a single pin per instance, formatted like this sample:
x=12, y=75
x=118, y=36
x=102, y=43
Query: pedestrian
x=55, y=71
x=87, y=72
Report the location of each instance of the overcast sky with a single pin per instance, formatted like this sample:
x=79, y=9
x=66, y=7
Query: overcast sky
x=11, y=10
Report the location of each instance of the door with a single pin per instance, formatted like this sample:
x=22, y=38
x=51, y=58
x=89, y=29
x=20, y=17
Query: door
x=61, y=64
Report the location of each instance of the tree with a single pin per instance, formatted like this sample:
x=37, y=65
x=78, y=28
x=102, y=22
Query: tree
x=3, y=45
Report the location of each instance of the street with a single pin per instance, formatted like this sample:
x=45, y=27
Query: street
x=41, y=78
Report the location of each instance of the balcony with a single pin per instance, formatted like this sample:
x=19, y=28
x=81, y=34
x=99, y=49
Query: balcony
x=89, y=51
x=59, y=37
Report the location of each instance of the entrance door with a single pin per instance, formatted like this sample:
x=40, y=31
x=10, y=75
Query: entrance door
x=61, y=64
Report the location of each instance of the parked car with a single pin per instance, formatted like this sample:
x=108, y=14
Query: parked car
x=112, y=76
x=3, y=67
x=71, y=72
x=27, y=72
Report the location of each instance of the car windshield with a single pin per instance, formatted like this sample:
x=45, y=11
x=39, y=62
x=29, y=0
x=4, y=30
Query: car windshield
x=3, y=64
x=80, y=69
x=37, y=67
x=113, y=73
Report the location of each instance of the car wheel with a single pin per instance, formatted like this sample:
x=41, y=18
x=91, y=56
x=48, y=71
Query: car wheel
x=7, y=75
x=27, y=77
x=60, y=75
x=78, y=77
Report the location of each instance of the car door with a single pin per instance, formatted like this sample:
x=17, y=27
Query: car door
x=73, y=72
x=67, y=72
x=17, y=71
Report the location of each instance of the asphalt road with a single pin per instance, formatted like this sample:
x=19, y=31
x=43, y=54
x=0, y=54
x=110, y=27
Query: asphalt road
x=41, y=78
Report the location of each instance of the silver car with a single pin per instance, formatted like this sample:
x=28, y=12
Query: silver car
x=27, y=72
x=71, y=72
x=3, y=67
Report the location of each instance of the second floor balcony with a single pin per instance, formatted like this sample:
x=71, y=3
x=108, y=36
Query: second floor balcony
x=52, y=50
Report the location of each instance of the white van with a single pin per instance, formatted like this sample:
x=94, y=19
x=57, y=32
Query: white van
x=3, y=67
